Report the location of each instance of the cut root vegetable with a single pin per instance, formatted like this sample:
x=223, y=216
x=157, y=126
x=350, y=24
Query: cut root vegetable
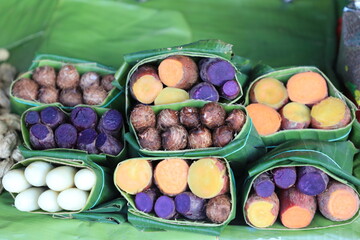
x=208, y=178
x=230, y=90
x=307, y=88
x=134, y=176
x=165, y=207
x=171, y=95
x=270, y=92
x=216, y=71
x=295, y=116
x=145, y=84
x=266, y=119
x=330, y=113
x=218, y=209
x=284, y=177
x=262, y=212
x=204, y=91
x=190, y=206
x=144, y=201
x=311, y=181
x=297, y=209
x=263, y=185
x=171, y=176
x=178, y=71
x=339, y=202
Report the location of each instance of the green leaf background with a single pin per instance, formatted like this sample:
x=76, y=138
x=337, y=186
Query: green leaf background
x=271, y=32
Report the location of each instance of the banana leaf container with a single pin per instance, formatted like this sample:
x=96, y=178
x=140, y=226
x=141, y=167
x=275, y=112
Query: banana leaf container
x=149, y=222
x=335, y=159
x=102, y=159
x=340, y=134
x=101, y=205
x=195, y=50
x=246, y=146
x=114, y=99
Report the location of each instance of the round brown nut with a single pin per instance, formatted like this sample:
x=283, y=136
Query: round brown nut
x=70, y=97
x=48, y=95
x=150, y=139
x=236, y=120
x=45, y=76
x=89, y=79
x=189, y=117
x=222, y=136
x=167, y=118
x=106, y=82
x=212, y=115
x=94, y=95
x=26, y=88
x=199, y=138
x=174, y=138
x=68, y=77
x=142, y=117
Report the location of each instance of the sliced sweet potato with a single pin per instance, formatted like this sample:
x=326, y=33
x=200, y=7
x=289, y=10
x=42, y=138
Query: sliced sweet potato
x=307, y=88
x=134, y=176
x=208, y=178
x=145, y=84
x=330, y=113
x=270, y=92
x=262, y=211
x=178, y=71
x=265, y=119
x=171, y=176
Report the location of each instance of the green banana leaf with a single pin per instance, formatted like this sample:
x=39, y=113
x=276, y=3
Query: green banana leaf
x=113, y=100
x=98, y=31
x=102, y=159
x=145, y=221
x=355, y=133
x=245, y=147
x=110, y=212
x=281, y=136
x=19, y=225
x=102, y=191
x=204, y=48
x=335, y=159
x=356, y=171
x=274, y=32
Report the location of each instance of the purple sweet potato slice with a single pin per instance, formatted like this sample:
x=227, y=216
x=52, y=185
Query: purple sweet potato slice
x=165, y=207
x=86, y=141
x=31, y=118
x=41, y=137
x=230, y=90
x=204, y=91
x=111, y=122
x=66, y=136
x=83, y=118
x=311, y=181
x=52, y=117
x=263, y=185
x=284, y=177
x=216, y=71
x=190, y=206
x=108, y=144
x=144, y=201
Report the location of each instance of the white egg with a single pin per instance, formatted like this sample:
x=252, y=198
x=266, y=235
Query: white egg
x=85, y=179
x=48, y=201
x=27, y=200
x=60, y=178
x=36, y=173
x=14, y=181
x=72, y=199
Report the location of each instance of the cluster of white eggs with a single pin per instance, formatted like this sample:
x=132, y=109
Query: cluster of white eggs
x=42, y=186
